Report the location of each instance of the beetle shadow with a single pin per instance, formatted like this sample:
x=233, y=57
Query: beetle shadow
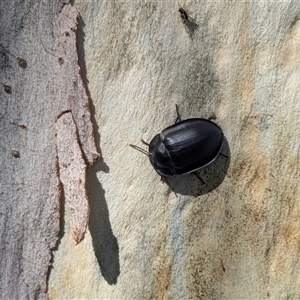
x=211, y=175
x=105, y=243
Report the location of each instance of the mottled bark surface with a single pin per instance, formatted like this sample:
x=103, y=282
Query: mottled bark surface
x=40, y=80
x=236, y=237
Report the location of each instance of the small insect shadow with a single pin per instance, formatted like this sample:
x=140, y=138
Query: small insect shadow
x=211, y=176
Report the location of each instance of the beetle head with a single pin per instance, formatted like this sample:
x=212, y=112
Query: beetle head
x=159, y=157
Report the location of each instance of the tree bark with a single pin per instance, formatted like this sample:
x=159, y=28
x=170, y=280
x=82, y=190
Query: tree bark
x=42, y=85
x=234, y=237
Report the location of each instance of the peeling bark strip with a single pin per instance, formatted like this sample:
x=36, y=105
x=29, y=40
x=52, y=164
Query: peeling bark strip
x=78, y=101
x=72, y=171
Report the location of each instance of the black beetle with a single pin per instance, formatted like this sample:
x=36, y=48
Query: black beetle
x=185, y=147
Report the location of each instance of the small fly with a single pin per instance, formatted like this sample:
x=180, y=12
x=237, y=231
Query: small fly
x=185, y=17
x=188, y=21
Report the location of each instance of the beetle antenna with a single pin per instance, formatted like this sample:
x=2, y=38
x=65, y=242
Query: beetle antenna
x=139, y=149
x=145, y=143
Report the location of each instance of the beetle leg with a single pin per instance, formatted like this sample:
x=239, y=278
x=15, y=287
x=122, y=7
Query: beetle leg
x=178, y=119
x=212, y=117
x=195, y=173
x=223, y=155
x=165, y=180
x=145, y=143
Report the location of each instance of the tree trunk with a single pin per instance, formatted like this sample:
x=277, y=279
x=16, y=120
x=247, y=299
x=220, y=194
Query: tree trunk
x=234, y=237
